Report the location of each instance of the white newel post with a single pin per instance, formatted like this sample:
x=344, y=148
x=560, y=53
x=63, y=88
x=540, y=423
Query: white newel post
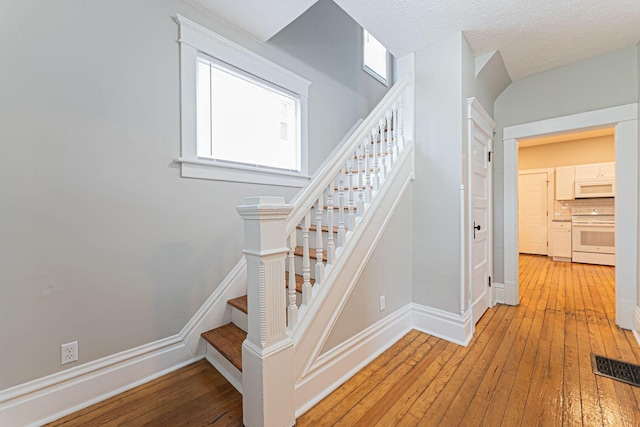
x=267, y=353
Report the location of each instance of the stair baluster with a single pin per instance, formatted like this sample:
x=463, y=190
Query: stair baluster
x=331, y=247
x=341, y=205
x=361, y=172
x=383, y=154
x=389, y=133
x=306, y=263
x=319, y=264
x=400, y=124
x=376, y=166
x=352, y=219
x=292, y=307
x=366, y=147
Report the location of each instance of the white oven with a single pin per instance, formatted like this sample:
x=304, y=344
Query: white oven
x=593, y=237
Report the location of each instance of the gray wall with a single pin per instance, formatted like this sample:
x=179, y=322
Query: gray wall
x=102, y=241
x=602, y=82
x=445, y=78
x=388, y=273
x=436, y=237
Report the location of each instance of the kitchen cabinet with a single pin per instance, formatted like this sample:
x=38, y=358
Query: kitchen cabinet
x=561, y=241
x=595, y=171
x=564, y=183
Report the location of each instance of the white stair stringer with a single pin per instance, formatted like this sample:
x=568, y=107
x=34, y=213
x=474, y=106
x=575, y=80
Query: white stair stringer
x=331, y=296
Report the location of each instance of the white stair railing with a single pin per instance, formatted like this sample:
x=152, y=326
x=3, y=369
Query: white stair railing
x=346, y=184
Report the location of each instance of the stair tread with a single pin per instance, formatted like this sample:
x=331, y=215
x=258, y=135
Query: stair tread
x=325, y=228
x=299, y=280
x=240, y=303
x=312, y=253
x=227, y=340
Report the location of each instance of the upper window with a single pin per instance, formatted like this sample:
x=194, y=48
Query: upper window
x=375, y=58
x=243, y=117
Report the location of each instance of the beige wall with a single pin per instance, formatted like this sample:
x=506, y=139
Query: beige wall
x=579, y=152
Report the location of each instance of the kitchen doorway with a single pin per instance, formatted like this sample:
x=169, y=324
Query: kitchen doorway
x=625, y=121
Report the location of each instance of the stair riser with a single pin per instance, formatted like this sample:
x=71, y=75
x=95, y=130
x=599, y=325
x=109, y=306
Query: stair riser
x=240, y=319
x=298, y=262
x=312, y=238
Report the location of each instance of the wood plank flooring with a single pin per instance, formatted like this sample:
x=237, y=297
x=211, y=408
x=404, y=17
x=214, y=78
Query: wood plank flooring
x=526, y=365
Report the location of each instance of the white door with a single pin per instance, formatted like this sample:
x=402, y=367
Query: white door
x=481, y=219
x=532, y=213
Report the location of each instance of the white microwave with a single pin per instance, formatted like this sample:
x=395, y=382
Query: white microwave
x=595, y=188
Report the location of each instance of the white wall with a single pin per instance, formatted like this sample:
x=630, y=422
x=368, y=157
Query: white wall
x=606, y=81
x=102, y=241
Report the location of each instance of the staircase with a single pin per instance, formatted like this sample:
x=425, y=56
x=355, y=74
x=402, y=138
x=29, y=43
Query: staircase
x=303, y=259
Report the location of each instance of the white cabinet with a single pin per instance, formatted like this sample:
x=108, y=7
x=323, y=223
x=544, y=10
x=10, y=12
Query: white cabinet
x=596, y=171
x=564, y=183
x=561, y=241
x=608, y=170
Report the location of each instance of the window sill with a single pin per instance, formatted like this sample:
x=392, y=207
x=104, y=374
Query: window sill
x=203, y=169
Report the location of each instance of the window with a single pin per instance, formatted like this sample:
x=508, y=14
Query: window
x=375, y=58
x=243, y=117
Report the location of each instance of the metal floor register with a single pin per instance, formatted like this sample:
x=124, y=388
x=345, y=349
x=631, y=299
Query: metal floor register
x=616, y=369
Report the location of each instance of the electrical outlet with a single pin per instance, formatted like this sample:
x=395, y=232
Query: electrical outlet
x=383, y=303
x=68, y=352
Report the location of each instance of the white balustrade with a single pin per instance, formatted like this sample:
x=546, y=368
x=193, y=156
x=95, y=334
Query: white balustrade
x=350, y=181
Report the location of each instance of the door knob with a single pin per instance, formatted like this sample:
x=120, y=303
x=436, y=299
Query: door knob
x=475, y=227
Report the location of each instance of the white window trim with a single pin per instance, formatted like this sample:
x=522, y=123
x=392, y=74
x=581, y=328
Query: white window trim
x=194, y=38
x=368, y=70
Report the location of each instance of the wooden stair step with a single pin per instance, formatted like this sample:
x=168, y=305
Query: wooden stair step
x=312, y=253
x=227, y=340
x=371, y=154
x=240, y=303
x=299, y=281
x=325, y=228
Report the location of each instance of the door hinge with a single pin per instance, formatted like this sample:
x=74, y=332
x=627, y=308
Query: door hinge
x=489, y=281
x=489, y=155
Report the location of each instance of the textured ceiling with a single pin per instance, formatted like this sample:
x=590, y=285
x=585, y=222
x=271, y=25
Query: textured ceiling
x=532, y=35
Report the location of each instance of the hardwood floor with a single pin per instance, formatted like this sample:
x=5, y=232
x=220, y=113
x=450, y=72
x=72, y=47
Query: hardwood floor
x=526, y=365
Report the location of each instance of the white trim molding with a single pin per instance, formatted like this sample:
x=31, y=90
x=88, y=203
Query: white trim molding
x=443, y=324
x=636, y=324
x=334, y=367
x=625, y=120
x=195, y=39
x=48, y=398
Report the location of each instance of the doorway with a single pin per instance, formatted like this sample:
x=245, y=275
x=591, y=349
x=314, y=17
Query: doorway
x=535, y=197
x=625, y=121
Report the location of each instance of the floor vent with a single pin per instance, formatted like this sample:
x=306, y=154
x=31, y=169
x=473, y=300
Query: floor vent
x=616, y=369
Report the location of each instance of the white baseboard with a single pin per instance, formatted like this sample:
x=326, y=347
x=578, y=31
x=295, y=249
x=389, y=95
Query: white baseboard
x=226, y=368
x=626, y=312
x=499, y=293
x=636, y=324
x=54, y=396
x=442, y=324
x=49, y=398
x=337, y=365
x=511, y=296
